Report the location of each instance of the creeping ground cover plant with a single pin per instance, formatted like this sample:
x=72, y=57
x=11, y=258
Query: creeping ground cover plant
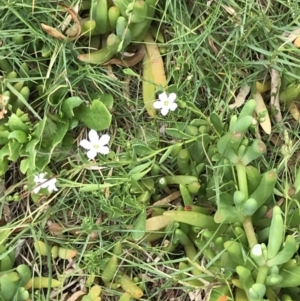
x=149, y=150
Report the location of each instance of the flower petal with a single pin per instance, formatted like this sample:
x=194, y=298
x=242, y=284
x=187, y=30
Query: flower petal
x=104, y=150
x=36, y=179
x=158, y=104
x=93, y=136
x=172, y=97
x=91, y=154
x=51, y=186
x=163, y=96
x=36, y=189
x=104, y=139
x=52, y=182
x=45, y=184
x=39, y=178
x=164, y=111
x=173, y=106
x=86, y=144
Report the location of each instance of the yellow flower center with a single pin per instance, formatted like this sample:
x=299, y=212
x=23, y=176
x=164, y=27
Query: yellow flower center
x=166, y=103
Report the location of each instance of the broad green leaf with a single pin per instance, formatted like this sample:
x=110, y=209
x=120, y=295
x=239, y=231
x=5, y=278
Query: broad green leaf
x=175, y=133
x=4, y=151
x=73, y=123
x=199, y=122
x=139, y=226
x=107, y=100
x=95, y=117
x=167, y=153
x=69, y=104
x=50, y=129
x=57, y=95
x=149, y=183
x=142, y=150
x=24, y=165
x=31, y=151
x=136, y=187
x=20, y=136
x=140, y=168
x=14, y=150
x=44, y=155
x=3, y=166
x=40, y=128
x=138, y=176
x=15, y=123
x=3, y=136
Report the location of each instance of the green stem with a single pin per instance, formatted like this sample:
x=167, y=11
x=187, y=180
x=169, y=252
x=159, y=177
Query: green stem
x=249, y=230
x=262, y=274
x=242, y=179
x=243, y=187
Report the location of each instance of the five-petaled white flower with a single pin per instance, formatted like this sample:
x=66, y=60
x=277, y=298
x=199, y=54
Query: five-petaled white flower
x=165, y=103
x=41, y=182
x=96, y=144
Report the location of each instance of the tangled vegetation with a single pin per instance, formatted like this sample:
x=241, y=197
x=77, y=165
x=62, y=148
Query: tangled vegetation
x=149, y=150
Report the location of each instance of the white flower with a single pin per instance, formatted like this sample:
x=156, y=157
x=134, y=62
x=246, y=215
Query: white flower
x=41, y=182
x=166, y=103
x=96, y=144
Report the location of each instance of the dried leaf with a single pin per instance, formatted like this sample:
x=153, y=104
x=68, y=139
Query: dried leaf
x=196, y=295
x=109, y=72
x=170, y=198
x=241, y=97
x=148, y=86
x=290, y=37
x=213, y=46
x=275, y=88
x=153, y=74
x=276, y=140
x=76, y=28
x=73, y=31
x=294, y=111
x=53, y=32
x=297, y=42
x=57, y=34
x=129, y=61
x=261, y=109
x=157, y=64
x=72, y=15
x=55, y=228
x=76, y=296
x=3, y=111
